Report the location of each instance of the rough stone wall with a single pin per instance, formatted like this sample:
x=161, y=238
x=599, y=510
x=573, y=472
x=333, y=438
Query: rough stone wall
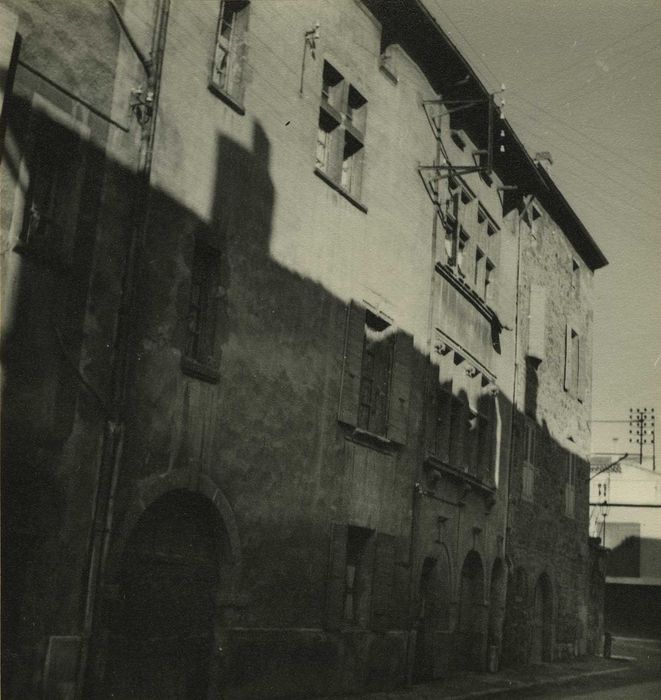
x=542, y=539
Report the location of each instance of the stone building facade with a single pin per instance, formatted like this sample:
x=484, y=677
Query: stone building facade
x=281, y=323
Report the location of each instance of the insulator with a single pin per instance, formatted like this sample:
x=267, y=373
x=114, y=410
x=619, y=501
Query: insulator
x=502, y=149
x=502, y=133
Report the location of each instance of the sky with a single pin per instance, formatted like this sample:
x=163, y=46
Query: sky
x=583, y=81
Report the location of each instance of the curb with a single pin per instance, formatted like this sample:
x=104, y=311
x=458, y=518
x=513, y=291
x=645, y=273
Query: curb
x=521, y=685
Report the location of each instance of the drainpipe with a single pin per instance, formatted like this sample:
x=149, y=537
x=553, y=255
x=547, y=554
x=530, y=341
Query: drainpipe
x=113, y=433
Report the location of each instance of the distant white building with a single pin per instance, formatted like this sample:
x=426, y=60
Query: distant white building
x=625, y=513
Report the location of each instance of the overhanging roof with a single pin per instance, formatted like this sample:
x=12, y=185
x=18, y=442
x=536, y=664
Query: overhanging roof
x=410, y=24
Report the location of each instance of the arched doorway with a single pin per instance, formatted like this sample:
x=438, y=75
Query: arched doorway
x=516, y=625
x=496, y=615
x=471, y=628
x=433, y=615
x=542, y=621
x=161, y=635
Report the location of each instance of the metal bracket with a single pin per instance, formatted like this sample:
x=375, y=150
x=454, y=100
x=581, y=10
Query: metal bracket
x=141, y=104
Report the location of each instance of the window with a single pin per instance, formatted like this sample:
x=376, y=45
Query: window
x=575, y=276
x=439, y=432
x=481, y=215
x=462, y=244
x=199, y=353
x=458, y=428
x=534, y=220
x=228, y=71
x=529, y=455
x=357, y=576
x=485, y=439
x=570, y=485
x=56, y=176
x=537, y=323
x=478, y=273
x=574, y=382
x=375, y=375
x=341, y=133
x=489, y=276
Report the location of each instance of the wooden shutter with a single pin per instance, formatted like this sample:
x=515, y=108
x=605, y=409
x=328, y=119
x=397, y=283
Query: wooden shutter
x=537, y=322
x=351, y=364
x=582, y=371
x=400, y=388
x=431, y=409
x=568, y=359
x=382, y=581
x=335, y=582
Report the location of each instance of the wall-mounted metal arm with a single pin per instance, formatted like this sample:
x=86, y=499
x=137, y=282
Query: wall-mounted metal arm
x=147, y=63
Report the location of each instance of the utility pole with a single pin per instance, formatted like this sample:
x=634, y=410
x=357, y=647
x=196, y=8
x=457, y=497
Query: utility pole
x=642, y=427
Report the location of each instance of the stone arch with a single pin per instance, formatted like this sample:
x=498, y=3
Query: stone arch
x=434, y=603
x=471, y=628
x=161, y=634
x=497, y=591
x=541, y=645
x=149, y=490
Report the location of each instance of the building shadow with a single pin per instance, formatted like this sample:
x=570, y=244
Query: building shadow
x=248, y=417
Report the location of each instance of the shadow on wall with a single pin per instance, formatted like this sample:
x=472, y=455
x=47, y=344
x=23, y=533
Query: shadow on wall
x=212, y=305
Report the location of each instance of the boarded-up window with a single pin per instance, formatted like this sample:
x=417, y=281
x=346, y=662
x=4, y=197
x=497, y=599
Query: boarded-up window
x=574, y=381
x=537, y=323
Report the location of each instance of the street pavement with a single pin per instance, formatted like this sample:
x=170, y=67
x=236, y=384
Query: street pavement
x=633, y=673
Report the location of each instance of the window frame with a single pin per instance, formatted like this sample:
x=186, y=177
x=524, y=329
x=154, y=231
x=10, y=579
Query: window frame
x=231, y=87
x=343, y=118
x=200, y=361
x=529, y=460
x=570, y=485
x=574, y=367
x=45, y=121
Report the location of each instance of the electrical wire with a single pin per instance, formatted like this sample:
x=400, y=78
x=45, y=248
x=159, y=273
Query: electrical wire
x=607, y=148
x=623, y=184
x=562, y=71
x=582, y=92
x=643, y=183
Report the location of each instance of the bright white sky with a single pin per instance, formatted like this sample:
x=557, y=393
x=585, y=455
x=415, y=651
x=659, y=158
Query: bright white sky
x=583, y=81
